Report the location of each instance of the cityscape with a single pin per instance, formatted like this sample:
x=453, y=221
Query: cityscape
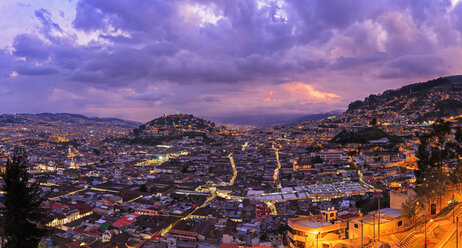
x=231, y=124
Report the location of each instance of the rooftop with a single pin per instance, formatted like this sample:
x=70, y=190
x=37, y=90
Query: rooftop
x=314, y=224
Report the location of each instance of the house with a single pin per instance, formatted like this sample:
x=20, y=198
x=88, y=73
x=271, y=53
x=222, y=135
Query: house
x=391, y=221
x=313, y=231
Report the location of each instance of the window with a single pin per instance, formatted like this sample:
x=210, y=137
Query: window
x=356, y=226
x=331, y=215
x=400, y=223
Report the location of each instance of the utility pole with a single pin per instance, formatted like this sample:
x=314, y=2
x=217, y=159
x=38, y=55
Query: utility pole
x=317, y=240
x=425, y=233
x=362, y=227
x=454, y=209
x=282, y=240
x=378, y=229
x=373, y=225
x=3, y=229
x=457, y=232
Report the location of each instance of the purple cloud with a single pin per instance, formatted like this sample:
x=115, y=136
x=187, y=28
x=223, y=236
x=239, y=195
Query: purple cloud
x=32, y=70
x=408, y=66
x=213, y=57
x=31, y=47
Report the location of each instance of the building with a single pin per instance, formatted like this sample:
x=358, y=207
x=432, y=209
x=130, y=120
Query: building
x=314, y=231
x=367, y=227
x=333, y=156
x=329, y=214
x=381, y=156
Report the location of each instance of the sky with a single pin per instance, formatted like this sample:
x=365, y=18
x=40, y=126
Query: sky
x=138, y=59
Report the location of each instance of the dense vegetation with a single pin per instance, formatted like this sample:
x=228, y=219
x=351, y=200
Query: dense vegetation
x=157, y=140
x=168, y=128
x=175, y=122
x=440, y=167
x=364, y=136
x=24, y=218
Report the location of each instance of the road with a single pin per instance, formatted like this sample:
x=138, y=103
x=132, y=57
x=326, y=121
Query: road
x=278, y=168
x=245, y=145
x=233, y=165
x=361, y=178
x=211, y=197
x=272, y=207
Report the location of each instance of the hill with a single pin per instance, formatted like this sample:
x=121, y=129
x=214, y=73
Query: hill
x=30, y=129
x=271, y=119
x=174, y=127
x=414, y=103
x=315, y=117
x=364, y=136
x=63, y=119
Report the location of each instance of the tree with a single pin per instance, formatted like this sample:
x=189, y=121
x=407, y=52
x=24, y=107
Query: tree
x=411, y=207
x=142, y=188
x=373, y=122
x=435, y=153
x=263, y=237
x=24, y=217
x=317, y=160
x=352, y=152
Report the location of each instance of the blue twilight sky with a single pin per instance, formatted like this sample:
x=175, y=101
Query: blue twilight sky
x=137, y=59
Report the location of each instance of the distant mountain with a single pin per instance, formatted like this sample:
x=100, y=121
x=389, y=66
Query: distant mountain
x=52, y=119
x=315, y=117
x=413, y=103
x=272, y=119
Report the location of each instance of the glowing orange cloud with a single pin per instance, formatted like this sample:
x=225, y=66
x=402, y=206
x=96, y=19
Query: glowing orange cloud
x=273, y=100
x=270, y=98
x=309, y=91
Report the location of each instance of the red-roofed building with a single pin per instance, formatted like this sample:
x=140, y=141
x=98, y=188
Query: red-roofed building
x=126, y=220
x=58, y=205
x=229, y=245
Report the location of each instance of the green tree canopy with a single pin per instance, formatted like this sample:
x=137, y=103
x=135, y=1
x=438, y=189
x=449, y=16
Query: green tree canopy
x=24, y=217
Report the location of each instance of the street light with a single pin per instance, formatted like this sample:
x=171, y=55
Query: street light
x=425, y=240
x=457, y=232
x=362, y=227
x=431, y=220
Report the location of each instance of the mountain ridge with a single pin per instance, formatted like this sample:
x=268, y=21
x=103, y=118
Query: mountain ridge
x=22, y=118
x=412, y=103
x=273, y=119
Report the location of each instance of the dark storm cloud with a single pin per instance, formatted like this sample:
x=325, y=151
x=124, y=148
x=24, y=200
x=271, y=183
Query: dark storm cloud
x=258, y=64
x=6, y=62
x=221, y=50
x=31, y=47
x=31, y=70
x=88, y=17
x=351, y=62
x=48, y=25
x=134, y=15
x=457, y=17
x=414, y=66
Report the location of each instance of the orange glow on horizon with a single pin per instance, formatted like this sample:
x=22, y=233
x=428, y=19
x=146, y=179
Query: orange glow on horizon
x=309, y=91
